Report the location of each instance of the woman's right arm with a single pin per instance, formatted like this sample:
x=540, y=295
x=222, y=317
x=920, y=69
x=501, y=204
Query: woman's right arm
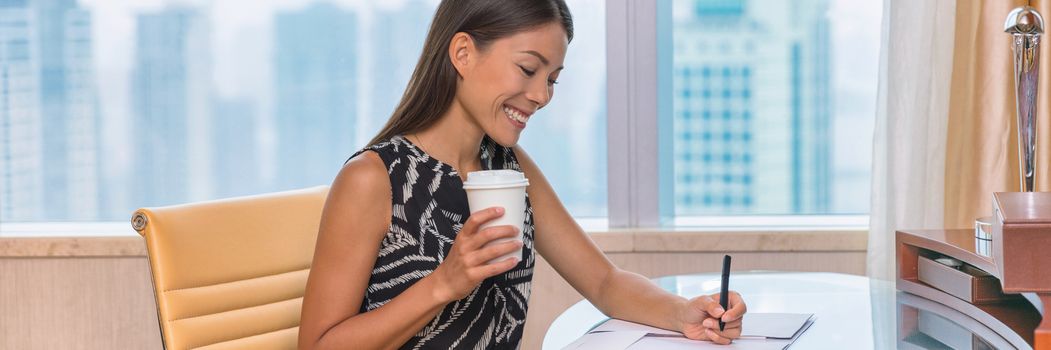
x=354, y=221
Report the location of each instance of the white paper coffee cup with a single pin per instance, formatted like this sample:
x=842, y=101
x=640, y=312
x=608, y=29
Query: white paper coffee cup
x=499, y=188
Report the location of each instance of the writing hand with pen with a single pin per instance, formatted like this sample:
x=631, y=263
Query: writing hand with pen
x=702, y=315
x=703, y=319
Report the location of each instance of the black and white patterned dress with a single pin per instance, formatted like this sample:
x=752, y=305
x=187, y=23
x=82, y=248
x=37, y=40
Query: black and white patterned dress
x=429, y=206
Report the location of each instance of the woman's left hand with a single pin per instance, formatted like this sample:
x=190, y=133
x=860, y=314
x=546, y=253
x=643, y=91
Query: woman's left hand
x=700, y=318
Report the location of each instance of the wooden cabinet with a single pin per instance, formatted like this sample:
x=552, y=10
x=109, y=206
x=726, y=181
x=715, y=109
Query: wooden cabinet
x=1008, y=290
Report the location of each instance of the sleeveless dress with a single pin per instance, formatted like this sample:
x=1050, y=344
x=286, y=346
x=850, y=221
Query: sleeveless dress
x=429, y=207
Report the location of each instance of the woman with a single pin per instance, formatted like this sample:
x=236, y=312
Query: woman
x=401, y=262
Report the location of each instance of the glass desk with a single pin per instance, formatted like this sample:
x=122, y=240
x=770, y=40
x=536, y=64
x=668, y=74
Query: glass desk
x=851, y=312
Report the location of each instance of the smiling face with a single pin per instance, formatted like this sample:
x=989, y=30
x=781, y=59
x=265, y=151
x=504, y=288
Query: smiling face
x=504, y=84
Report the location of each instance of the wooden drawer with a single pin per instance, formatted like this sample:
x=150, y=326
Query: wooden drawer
x=966, y=282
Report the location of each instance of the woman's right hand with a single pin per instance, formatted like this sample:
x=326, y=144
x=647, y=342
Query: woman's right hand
x=466, y=264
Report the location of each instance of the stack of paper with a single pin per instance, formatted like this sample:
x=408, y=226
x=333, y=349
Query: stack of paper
x=773, y=331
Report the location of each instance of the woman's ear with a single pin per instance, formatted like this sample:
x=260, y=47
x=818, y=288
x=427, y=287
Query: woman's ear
x=461, y=52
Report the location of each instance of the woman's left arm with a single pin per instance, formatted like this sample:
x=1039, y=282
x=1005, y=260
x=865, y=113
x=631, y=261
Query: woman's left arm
x=617, y=293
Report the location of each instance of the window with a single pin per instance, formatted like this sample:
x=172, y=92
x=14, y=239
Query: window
x=109, y=106
x=773, y=106
x=112, y=106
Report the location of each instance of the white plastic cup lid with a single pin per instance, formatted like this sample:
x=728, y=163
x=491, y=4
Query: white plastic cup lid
x=495, y=179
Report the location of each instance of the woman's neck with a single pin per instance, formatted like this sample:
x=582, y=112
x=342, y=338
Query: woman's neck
x=454, y=139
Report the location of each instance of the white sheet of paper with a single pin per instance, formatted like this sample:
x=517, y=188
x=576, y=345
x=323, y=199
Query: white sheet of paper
x=763, y=331
x=615, y=325
x=768, y=325
x=606, y=341
x=672, y=343
x=773, y=325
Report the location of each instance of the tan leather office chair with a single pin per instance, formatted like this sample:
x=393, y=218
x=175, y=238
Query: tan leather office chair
x=230, y=274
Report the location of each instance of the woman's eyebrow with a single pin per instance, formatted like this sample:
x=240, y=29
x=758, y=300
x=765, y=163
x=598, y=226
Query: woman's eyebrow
x=541, y=57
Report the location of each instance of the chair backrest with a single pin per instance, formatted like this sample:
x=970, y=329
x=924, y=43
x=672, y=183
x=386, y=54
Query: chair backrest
x=230, y=274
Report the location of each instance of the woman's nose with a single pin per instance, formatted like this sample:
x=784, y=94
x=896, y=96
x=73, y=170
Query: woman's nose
x=539, y=93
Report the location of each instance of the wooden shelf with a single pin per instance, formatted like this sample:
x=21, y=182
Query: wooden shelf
x=1014, y=319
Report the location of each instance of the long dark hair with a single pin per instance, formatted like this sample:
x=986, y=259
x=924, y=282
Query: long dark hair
x=433, y=84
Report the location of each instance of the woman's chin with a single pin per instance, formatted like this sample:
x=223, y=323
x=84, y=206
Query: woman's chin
x=505, y=139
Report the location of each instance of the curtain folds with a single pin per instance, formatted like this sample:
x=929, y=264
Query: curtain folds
x=945, y=135
x=909, y=146
x=911, y=119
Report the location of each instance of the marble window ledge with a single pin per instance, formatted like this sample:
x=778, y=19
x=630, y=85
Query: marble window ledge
x=118, y=239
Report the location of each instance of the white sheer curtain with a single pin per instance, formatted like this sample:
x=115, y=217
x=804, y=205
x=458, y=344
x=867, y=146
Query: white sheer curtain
x=908, y=158
x=908, y=167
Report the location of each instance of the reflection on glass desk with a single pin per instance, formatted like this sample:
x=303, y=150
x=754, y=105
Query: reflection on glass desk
x=941, y=329
x=851, y=312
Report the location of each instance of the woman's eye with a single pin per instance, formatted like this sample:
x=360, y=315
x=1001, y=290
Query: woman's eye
x=528, y=73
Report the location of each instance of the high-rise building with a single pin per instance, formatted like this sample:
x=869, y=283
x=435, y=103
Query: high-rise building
x=235, y=166
x=21, y=144
x=752, y=107
x=315, y=63
x=397, y=38
x=171, y=105
x=49, y=127
x=69, y=111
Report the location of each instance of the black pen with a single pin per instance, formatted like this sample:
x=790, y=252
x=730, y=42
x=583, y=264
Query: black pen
x=723, y=298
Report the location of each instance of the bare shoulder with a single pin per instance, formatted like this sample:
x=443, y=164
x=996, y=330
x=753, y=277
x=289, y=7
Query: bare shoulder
x=360, y=195
x=364, y=172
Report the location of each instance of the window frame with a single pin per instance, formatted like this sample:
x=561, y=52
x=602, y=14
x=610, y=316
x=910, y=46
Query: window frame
x=640, y=182
x=640, y=139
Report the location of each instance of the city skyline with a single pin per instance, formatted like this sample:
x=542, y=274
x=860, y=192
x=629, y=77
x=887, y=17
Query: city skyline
x=319, y=85
x=166, y=87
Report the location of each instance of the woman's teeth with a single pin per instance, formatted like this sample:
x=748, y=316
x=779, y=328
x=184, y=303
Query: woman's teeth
x=515, y=115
